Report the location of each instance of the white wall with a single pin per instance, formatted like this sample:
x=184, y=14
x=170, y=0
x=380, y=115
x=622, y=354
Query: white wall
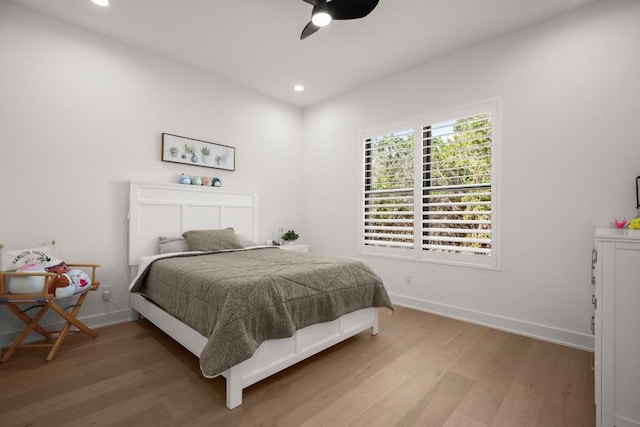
x=570, y=155
x=81, y=115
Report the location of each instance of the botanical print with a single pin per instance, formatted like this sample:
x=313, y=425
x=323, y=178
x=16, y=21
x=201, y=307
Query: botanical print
x=179, y=149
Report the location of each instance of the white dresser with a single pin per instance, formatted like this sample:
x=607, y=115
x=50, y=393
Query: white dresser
x=616, y=276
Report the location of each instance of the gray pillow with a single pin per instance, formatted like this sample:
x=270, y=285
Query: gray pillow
x=245, y=241
x=212, y=240
x=172, y=244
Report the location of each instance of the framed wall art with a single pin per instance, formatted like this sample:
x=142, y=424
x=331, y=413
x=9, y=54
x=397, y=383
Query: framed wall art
x=189, y=151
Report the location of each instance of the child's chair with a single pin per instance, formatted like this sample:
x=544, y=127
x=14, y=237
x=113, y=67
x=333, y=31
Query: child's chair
x=35, y=293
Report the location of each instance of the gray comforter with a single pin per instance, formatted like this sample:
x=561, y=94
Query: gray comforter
x=241, y=298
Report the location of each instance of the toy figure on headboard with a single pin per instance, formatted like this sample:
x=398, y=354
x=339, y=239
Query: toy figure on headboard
x=68, y=282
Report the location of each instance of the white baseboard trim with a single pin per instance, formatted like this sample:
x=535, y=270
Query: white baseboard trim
x=95, y=321
x=533, y=330
x=546, y=333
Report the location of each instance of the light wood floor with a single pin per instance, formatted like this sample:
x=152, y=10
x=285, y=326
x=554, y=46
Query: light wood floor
x=421, y=370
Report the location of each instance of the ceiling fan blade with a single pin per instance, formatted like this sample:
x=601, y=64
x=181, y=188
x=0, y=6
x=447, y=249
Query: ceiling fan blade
x=311, y=2
x=350, y=9
x=308, y=30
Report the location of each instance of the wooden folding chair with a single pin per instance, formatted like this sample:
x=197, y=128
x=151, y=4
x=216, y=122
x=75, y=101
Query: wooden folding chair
x=42, y=301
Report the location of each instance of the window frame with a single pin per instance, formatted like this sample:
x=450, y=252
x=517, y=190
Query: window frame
x=491, y=261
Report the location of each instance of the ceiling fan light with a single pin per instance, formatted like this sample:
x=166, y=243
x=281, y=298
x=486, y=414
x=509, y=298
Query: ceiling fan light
x=101, y=2
x=321, y=19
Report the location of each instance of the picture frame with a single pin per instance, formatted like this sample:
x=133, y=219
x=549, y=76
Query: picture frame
x=195, y=152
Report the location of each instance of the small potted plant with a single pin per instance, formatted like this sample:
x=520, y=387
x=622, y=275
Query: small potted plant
x=206, y=152
x=189, y=149
x=290, y=236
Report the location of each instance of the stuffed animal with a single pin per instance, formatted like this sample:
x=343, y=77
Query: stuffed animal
x=60, y=286
x=27, y=284
x=634, y=224
x=81, y=280
x=184, y=179
x=69, y=281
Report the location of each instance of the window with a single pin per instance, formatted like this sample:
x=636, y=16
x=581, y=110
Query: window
x=434, y=199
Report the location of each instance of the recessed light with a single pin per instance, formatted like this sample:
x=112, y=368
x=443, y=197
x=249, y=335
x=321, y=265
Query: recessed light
x=298, y=88
x=101, y=2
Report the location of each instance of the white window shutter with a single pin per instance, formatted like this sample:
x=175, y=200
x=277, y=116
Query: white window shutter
x=457, y=185
x=388, y=190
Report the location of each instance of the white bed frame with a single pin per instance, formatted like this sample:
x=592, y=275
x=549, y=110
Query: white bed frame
x=169, y=210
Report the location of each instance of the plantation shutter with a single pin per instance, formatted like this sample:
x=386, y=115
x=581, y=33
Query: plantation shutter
x=457, y=186
x=388, y=190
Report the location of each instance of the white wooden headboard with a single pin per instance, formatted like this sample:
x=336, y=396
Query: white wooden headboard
x=170, y=209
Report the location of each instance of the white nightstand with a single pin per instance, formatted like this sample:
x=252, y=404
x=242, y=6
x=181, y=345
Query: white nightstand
x=295, y=247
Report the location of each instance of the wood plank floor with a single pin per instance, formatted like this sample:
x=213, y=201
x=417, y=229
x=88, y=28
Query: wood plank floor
x=421, y=370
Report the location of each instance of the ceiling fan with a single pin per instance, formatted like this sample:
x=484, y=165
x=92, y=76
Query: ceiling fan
x=324, y=12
